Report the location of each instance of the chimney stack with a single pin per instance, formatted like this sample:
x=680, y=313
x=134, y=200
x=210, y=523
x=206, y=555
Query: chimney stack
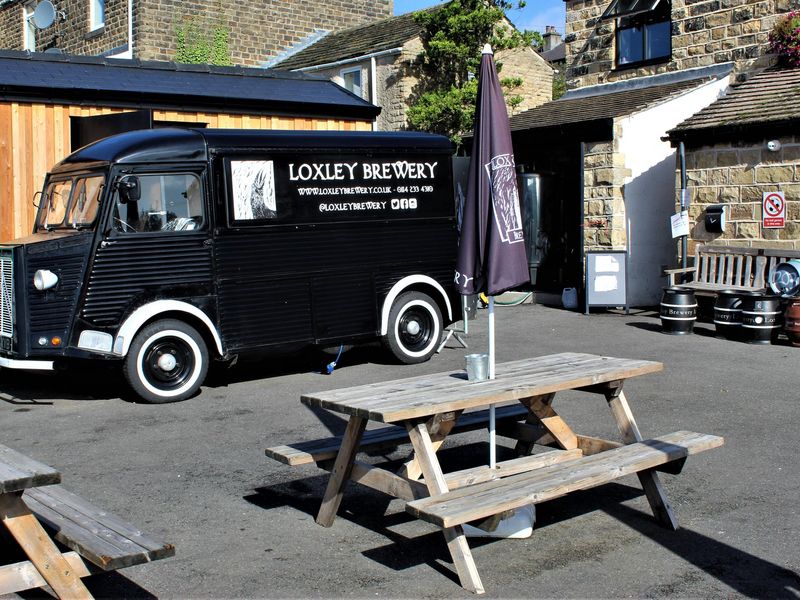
x=551, y=38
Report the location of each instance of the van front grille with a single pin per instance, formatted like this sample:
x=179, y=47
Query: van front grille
x=6, y=294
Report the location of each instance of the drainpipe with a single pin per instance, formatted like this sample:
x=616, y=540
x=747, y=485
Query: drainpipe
x=684, y=203
x=581, y=183
x=130, y=28
x=373, y=87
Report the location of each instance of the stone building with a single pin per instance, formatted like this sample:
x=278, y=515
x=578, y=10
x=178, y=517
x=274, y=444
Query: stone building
x=627, y=171
x=146, y=29
x=379, y=62
x=739, y=149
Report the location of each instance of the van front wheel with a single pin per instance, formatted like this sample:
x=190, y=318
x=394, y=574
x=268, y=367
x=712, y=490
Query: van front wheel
x=167, y=362
x=415, y=328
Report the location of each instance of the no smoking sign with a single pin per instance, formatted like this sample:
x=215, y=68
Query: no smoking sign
x=773, y=210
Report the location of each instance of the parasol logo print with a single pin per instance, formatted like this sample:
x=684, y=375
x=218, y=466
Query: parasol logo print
x=505, y=198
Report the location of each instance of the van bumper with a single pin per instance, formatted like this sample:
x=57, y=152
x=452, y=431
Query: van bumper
x=26, y=365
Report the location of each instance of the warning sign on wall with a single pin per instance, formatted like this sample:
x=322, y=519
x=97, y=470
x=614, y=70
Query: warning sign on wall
x=773, y=210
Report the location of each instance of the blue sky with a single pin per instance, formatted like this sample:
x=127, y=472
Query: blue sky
x=534, y=16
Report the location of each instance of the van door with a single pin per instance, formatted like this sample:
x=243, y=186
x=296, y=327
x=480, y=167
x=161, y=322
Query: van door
x=155, y=246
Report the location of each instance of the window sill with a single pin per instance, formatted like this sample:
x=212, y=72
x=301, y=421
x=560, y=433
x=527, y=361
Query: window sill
x=642, y=63
x=95, y=33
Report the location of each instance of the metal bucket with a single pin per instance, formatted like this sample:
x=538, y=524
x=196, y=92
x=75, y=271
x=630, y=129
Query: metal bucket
x=678, y=311
x=477, y=366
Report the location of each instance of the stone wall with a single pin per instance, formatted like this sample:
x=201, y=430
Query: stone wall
x=73, y=34
x=604, y=176
x=258, y=29
x=536, y=74
x=737, y=175
x=704, y=33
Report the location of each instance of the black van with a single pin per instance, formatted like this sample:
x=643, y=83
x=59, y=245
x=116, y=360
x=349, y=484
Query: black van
x=165, y=248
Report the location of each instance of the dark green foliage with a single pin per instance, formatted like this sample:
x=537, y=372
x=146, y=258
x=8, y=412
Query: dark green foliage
x=453, y=39
x=201, y=42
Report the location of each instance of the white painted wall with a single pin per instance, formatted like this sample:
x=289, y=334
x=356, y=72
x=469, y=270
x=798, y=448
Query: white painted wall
x=650, y=190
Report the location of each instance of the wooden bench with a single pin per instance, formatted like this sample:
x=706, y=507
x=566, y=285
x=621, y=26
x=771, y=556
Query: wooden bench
x=718, y=268
x=482, y=500
x=375, y=440
x=98, y=540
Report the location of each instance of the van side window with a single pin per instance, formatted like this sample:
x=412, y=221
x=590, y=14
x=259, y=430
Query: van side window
x=168, y=202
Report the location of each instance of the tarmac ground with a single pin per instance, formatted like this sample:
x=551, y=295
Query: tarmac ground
x=195, y=473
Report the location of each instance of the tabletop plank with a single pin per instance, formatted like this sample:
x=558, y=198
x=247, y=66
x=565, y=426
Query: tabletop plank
x=19, y=472
x=426, y=395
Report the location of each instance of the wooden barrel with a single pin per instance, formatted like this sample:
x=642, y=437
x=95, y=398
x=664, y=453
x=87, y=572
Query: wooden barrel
x=678, y=311
x=792, y=322
x=728, y=314
x=761, y=318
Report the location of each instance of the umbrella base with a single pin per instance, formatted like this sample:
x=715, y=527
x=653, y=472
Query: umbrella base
x=518, y=525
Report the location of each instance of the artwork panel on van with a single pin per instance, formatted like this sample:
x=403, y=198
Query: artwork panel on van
x=253, y=189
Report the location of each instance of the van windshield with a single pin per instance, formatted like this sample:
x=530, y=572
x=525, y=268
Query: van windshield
x=71, y=202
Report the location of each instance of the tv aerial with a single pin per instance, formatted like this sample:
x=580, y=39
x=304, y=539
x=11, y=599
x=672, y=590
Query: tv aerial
x=45, y=14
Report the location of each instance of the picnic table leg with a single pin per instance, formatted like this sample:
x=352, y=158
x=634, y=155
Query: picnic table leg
x=40, y=548
x=439, y=427
x=341, y=471
x=434, y=479
x=541, y=410
x=651, y=483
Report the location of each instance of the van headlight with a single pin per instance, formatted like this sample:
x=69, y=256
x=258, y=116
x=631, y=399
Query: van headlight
x=44, y=279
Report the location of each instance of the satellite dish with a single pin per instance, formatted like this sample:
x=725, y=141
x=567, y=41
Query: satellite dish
x=44, y=15
x=54, y=51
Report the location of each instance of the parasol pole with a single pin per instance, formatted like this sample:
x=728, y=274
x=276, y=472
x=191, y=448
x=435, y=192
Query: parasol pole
x=492, y=428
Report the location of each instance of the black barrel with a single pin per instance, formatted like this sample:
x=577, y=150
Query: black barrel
x=761, y=318
x=728, y=314
x=678, y=311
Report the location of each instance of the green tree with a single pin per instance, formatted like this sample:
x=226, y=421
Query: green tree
x=453, y=37
x=200, y=42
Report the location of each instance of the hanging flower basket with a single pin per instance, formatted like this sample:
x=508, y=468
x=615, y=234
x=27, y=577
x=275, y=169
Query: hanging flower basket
x=784, y=39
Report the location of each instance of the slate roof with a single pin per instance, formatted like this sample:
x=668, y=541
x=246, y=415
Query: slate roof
x=354, y=42
x=585, y=108
x=768, y=99
x=96, y=81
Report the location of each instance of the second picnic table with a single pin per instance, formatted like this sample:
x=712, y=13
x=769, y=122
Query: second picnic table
x=430, y=407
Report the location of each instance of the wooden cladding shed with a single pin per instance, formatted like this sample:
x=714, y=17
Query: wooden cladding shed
x=50, y=104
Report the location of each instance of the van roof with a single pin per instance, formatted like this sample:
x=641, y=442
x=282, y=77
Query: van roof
x=182, y=145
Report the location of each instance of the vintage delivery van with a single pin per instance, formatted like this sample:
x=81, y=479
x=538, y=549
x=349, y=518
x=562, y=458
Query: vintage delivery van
x=164, y=249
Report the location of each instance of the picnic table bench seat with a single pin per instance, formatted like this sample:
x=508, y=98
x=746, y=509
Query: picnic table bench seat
x=482, y=500
x=37, y=510
x=104, y=539
x=381, y=438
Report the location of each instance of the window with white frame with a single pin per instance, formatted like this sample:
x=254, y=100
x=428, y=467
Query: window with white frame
x=97, y=14
x=28, y=28
x=351, y=80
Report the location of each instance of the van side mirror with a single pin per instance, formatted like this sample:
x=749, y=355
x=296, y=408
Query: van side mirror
x=129, y=190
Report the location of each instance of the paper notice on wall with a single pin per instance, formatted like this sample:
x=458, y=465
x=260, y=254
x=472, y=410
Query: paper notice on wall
x=606, y=264
x=680, y=224
x=605, y=283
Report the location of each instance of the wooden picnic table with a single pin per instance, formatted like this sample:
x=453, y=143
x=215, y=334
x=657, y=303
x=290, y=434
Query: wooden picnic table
x=32, y=504
x=429, y=408
x=19, y=473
